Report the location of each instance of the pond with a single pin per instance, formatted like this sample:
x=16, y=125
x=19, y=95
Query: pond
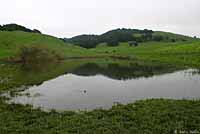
x=90, y=86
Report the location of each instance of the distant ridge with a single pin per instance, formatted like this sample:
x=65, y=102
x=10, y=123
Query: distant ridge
x=16, y=27
x=114, y=37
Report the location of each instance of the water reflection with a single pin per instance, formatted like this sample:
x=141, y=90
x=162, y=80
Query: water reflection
x=81, y=84
x=73, y=92
x=119, y=72
x=14, y=76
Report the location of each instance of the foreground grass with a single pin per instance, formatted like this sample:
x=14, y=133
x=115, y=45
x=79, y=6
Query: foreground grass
x=142, y=117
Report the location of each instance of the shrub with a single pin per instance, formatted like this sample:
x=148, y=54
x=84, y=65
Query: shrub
x=157, y=38
x=133, y=43
x=173, y=40
x=37, y=54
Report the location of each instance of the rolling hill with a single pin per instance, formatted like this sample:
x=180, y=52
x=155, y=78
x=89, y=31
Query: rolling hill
x=12, y=41
x=153, y=45
x=114, y=37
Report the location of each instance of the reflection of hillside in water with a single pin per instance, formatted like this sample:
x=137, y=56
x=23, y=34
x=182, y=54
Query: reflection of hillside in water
x=13, y=76
x=119, y=72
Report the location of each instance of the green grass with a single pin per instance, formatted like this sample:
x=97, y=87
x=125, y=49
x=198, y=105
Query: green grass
x=183, y=53
x=171, y=35
x=10, y=43
x=178, y=53
x=142, y=117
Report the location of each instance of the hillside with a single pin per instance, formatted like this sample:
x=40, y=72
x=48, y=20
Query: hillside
x=11, y=42
x=14, y=37
x=167, y=48
x=114, y=37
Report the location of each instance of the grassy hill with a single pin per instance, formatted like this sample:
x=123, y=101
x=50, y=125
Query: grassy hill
x=172, y=37
x=177, y=53
x=114, y=37
x=184, y=50
x=10, y=43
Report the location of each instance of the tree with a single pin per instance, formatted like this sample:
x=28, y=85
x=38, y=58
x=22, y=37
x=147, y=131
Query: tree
x=133, y=43
x=37, y=54
x=173, y=40
x=147, y=35
x=36, y=31
x=158, y=38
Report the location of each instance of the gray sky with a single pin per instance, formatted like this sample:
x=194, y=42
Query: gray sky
x=66, y=18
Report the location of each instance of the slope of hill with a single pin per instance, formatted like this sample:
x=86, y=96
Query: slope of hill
x=114, y=37
x=10, y=43
x=168, y=47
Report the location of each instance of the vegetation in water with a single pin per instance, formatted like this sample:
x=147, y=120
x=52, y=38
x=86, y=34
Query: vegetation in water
x=148, y=116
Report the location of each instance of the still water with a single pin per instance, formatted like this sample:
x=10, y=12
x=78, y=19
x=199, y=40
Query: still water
x=78, y=91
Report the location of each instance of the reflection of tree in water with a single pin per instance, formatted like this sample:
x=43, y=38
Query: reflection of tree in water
x=196, y=72
x=193, y=72
x=13, y=76
x=17, y=75
x=115, y=71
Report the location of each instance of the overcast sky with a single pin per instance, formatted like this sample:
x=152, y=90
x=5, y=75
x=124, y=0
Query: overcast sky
x=67, y=18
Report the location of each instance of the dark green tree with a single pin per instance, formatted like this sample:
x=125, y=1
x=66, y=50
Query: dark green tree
x=158, y=38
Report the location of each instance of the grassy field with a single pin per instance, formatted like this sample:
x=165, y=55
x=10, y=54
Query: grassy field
x=178, y=53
